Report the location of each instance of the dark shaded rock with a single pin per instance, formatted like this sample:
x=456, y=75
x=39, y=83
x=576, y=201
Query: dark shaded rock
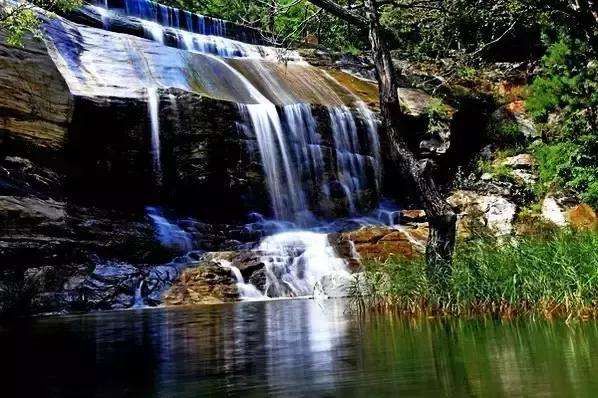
x=248, y=262
x=259, y=279
x=110, y=286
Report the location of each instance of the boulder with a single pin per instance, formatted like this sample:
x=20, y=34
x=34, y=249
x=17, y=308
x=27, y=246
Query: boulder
x=207, y=283
x=494, y=213
x=412, y=216
x=515, y=112
x=381, y=243
x=415, y=103
x=523, y=168
x=523, y=161
x=552, y=211
x=110, y=286
x=340, y=285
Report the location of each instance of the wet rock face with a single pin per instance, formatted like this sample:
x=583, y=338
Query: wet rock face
x=107, y=286
x=89, y=16
x=206, y=150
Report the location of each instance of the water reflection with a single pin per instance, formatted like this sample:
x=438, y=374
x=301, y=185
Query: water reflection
x=292, y=348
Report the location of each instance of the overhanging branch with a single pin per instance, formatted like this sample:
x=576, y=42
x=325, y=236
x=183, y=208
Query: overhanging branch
x=341, y=12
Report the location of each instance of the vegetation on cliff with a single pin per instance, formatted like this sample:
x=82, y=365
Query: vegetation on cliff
x=18, y=19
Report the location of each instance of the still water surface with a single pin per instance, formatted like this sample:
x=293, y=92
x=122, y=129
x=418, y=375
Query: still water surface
x=293, y=348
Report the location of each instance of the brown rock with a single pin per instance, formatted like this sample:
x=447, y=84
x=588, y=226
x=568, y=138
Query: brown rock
x=379, y=244
x=583, y=217
x=415, y=103
x=208, y=283
x=412, y=216
x=367, y=235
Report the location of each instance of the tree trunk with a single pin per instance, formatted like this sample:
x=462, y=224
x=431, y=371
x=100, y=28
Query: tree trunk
x=441, y=217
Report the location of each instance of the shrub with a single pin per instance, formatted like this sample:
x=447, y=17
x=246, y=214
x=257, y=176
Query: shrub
x=552, y=158
x=506, y=133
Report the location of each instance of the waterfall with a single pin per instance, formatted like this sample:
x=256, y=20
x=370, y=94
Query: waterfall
x=293, y=160
x=153, y=31
x=169, y=234
x=307, y=144
x=286, y=194
x=138, y=301
x=246, y=290
x=192, y=32
x=153, y=100
x=296, y=261
x=350, y=162
x=373, y=141
x=318, y=146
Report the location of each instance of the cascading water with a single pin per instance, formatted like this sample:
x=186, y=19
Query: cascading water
x=286, y=196
x=373, y=141
x=246, y=290
x=307, y=145
x=296, y=261
x=138, y=301
x=191, y=32
x=169, y=234
x=350, y=162
x=152, y=107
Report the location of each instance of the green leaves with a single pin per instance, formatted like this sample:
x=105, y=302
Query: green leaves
x=18, y=24
x=566, y=88
x=21, y=19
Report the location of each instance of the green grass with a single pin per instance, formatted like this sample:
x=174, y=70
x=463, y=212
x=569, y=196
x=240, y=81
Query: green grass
x=554, y=276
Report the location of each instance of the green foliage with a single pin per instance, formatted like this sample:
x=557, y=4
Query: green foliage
x=568, y=87
x=18, y=25
x=506, y=133
x=440, y=29
x=570, y=165
x=18, y=20
x=437, y=109
x=555, y=275
x=553, y=89
x=552, y=159
x=467, y=73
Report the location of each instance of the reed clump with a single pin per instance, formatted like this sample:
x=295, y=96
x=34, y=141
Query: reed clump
x=554, y=276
